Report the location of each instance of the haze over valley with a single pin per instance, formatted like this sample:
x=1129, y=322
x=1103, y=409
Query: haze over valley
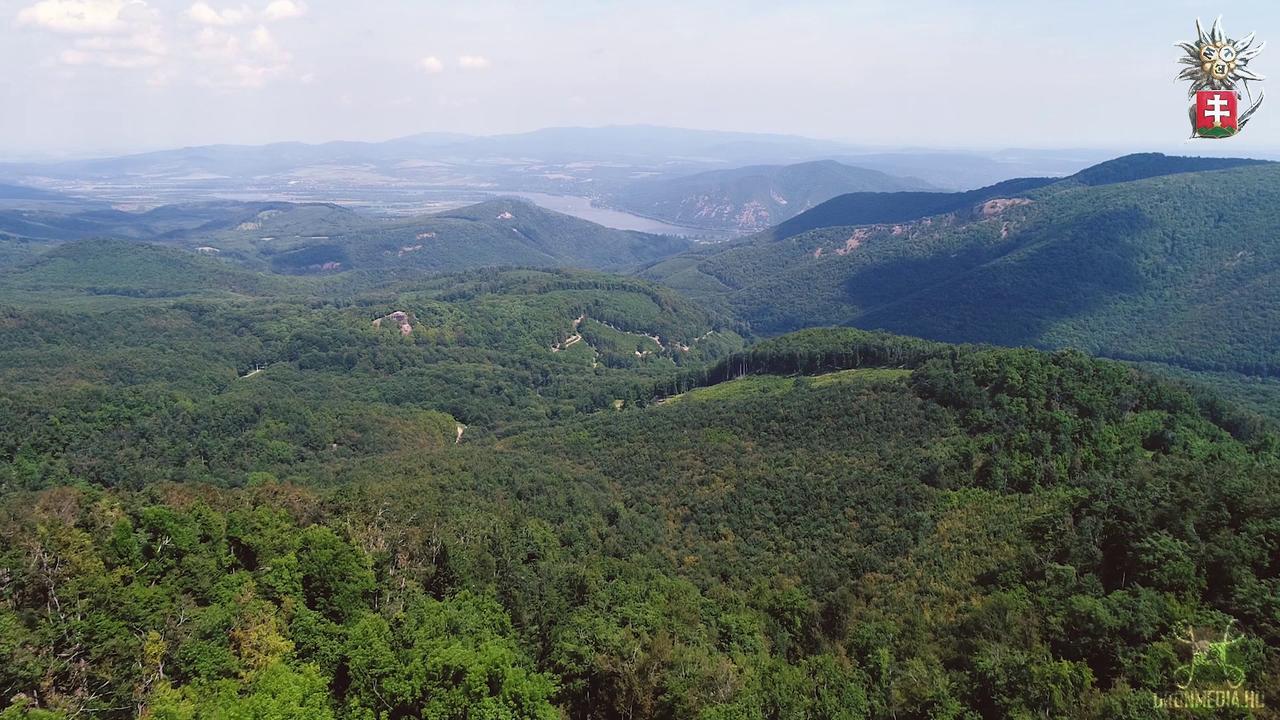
x=702, y=183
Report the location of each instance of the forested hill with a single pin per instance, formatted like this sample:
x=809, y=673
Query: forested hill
x=124, y=268
x=913, y=530
x=509, y=230
x=867, y=208
x=325, y=239
x=244, y=477
x=1172, y=268
x=1140, y=166
x=755, y=197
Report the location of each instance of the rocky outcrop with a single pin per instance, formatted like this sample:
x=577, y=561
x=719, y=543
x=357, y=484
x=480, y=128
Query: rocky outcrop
x=399, y=318
x=995, y=206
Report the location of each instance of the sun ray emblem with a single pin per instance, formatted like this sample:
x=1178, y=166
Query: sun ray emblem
x=1218, y=67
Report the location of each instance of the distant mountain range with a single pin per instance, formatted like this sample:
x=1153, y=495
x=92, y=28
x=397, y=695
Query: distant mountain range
x=630, y=144
x=323, y=239
x=1167, y=261
x=755, y=197
x=1145, y=257
x=587, y=162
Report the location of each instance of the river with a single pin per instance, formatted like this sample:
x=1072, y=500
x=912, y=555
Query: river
x=581, y=207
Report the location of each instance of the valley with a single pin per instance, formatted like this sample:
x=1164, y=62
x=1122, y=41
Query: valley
x=907, y=453
x=586, y=209
x=706, y=360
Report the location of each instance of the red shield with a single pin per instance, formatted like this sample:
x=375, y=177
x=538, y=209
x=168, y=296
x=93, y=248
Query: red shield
x=1216, y=113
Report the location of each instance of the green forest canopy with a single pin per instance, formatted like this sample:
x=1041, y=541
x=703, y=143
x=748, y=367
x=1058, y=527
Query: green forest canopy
x=891, y=528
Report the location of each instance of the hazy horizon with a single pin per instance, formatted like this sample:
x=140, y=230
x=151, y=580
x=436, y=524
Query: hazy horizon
x=852, y=145
x=104, y=77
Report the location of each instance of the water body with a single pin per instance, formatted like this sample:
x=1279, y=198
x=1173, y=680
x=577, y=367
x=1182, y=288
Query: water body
x=581, y=207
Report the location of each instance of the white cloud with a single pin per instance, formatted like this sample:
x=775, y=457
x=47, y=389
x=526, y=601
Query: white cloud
x=473, y=62
x=216, y=45
x=117, y=34
x=263, y=40
x=205, y=14
x=284, y=10
x=430, y=65
x=128, y=34
x=231, y=60
x=82, y=16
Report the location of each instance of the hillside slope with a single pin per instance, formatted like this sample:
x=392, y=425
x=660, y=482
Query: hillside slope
x=1159, y=270
x=500, y=232
x=865, y=208
x=1172, y=268
x=323, y=238
x=125, y=268
x=752, y=198
x=863, y=526
x=78, y=220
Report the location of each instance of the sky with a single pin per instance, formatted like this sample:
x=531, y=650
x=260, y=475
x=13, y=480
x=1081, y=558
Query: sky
x=86, y=77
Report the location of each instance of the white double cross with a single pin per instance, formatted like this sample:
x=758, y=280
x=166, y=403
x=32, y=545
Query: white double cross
x=1218, y=111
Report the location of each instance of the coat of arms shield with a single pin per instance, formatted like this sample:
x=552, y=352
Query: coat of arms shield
x=1216, y=114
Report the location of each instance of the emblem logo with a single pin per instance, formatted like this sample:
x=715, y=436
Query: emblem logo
x=1218, y=68
x=1216, y=114
x=1211, y=659
x=1213, y=676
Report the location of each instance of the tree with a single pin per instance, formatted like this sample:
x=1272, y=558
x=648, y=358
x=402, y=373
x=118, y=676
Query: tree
x=276, y=692
x=337, y=580
x=450, y=659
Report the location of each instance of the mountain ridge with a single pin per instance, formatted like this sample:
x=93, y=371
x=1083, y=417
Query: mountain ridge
x=1102, y=262
x=324, y=238
x=872, y=208
x=754, y=197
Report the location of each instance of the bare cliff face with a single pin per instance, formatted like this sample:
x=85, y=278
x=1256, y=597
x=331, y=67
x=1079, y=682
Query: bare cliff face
x=983, y=212
x=996, y=206
x=731, y=209
x=724, y=211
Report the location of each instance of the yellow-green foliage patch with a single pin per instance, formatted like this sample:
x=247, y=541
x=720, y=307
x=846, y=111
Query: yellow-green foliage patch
x=862, y=375
x=758, y=385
